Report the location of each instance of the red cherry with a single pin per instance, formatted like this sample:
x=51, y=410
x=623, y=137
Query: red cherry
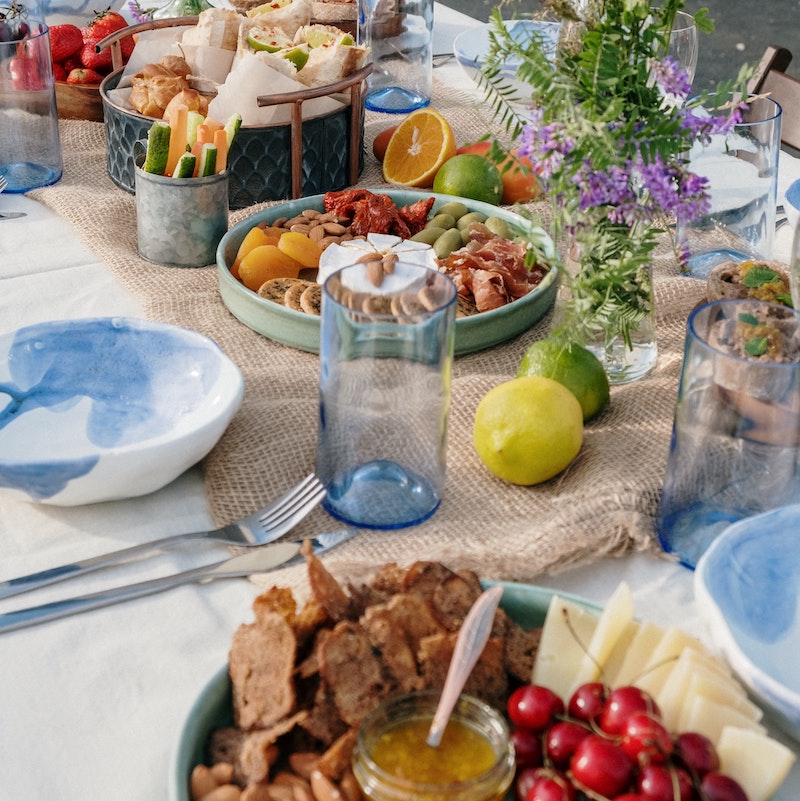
x=587, y=701
x=621, y=704
x=631, y=797
x=534, y=707
x=527, y=748
x=525, y=778
x=719, y=787
x=645, y=740
x=550, y=785
x=601, y=766
x=562, y=739
x=659, y=783
x=697, y=753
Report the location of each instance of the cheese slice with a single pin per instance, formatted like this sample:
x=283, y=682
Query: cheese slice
x=710, y=718
x=757, y=762
x=618, y=613
x=663, y=658
x=566, y=634
x=638, y=653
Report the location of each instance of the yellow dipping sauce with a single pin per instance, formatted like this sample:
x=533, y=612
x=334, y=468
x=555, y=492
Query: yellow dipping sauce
x=463, y=753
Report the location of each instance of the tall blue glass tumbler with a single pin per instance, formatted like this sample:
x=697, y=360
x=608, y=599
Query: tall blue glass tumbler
x=735, y=444
x=385, y=359
x=399, y=34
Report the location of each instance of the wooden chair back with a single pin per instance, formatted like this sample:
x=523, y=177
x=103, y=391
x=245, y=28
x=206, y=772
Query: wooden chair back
x=771, y=78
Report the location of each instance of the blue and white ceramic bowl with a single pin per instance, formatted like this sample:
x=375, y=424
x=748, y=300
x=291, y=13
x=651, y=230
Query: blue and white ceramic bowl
x=747, y=586
x=106, y=408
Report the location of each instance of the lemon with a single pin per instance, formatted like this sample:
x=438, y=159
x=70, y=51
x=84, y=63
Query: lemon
x=572, y=365
x=470, y=175
x=528, y=429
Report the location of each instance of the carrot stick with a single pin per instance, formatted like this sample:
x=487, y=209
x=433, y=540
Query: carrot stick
x=221, y=141
x=204, y=133
x=177, y=139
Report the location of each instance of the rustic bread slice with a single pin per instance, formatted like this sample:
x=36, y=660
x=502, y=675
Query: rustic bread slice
x=261, y=666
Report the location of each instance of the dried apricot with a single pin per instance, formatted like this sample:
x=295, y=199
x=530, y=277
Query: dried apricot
x=254, y=238
x=301, y=248
x=265, y=262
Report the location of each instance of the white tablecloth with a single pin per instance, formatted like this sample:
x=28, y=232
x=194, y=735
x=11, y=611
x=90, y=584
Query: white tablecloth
x=92, y=705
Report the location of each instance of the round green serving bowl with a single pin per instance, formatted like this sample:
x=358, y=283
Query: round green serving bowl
x=299, y=330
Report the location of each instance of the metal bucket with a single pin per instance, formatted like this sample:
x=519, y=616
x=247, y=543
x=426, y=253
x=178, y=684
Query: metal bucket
x=180, y=221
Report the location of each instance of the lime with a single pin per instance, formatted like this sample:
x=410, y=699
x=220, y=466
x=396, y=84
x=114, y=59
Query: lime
x=321, y=35
x=232, y=128
x=270, y=40
x=265, y=8
x=572, y=365
x=297, y=55
x=470, y=175
x=528, y=429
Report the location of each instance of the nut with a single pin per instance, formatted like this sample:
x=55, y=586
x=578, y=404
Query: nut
x=374, y=271
x=323, y=788
x=303, y=763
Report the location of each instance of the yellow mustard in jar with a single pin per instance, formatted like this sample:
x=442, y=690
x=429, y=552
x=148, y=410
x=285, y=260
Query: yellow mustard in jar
x=393, y=762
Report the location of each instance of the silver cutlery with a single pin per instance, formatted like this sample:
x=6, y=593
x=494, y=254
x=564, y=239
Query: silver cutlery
x=3, y=183
x=259, y=560
x=264, y=526
x=12, y=215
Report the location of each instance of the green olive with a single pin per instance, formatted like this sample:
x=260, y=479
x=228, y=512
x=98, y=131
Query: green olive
x=449, y=241
x=454, y=208
x=466, y=219
x=442, y=220
x=499, y=226
x=428, y=235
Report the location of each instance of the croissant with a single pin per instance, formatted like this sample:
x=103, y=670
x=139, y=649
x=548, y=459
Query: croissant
x=150, y=96
x=190, y=98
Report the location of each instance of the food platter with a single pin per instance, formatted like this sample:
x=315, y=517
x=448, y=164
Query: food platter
x=525, y=603
x=300, y=330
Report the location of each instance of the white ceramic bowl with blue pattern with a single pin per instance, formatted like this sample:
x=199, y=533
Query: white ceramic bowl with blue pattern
x=106, y=408
x=747, y=586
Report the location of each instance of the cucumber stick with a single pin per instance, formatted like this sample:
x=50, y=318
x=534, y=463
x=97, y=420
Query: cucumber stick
x=155, y=160
x=232, y=128
x=185, y=166
x=208, y=160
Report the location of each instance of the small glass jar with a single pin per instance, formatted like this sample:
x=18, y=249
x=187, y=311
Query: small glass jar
x=474, y=762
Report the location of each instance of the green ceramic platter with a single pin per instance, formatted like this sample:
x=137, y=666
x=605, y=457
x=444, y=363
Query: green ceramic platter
x=299, y=330
x=525, y=603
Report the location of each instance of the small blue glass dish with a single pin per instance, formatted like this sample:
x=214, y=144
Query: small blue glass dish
x=472, y=46
x=747, y=587
x=106, y=408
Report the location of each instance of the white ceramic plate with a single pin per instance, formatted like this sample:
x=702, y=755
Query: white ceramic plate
x=525, y=603
x=290, y=327
x=105, y=408
x=747, y=586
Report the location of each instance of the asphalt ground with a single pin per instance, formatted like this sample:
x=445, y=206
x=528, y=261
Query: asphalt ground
x=743, y=29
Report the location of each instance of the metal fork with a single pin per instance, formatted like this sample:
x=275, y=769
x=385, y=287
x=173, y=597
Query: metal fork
x=3, y=183
x=264, y=526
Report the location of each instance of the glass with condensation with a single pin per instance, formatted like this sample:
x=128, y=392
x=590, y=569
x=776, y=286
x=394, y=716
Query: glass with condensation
x=386, y=349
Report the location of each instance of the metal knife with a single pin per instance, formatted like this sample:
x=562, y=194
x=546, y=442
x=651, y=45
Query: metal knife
x=255, y=560
x=12, y=215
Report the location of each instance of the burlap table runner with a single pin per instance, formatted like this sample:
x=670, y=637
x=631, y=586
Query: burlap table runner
x=604, y=504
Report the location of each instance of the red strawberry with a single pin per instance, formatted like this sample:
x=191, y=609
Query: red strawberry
x=65, y=41
x=84, y=77
x=101, y=62
x=59, y=72
x=25, y=73
x=104, y=24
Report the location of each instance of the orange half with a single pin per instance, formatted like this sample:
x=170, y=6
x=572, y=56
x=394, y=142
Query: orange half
x=417, y=148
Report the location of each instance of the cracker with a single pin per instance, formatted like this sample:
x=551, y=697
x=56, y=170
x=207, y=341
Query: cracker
x=275, y=289
x=311, y=299
x=291, y=298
